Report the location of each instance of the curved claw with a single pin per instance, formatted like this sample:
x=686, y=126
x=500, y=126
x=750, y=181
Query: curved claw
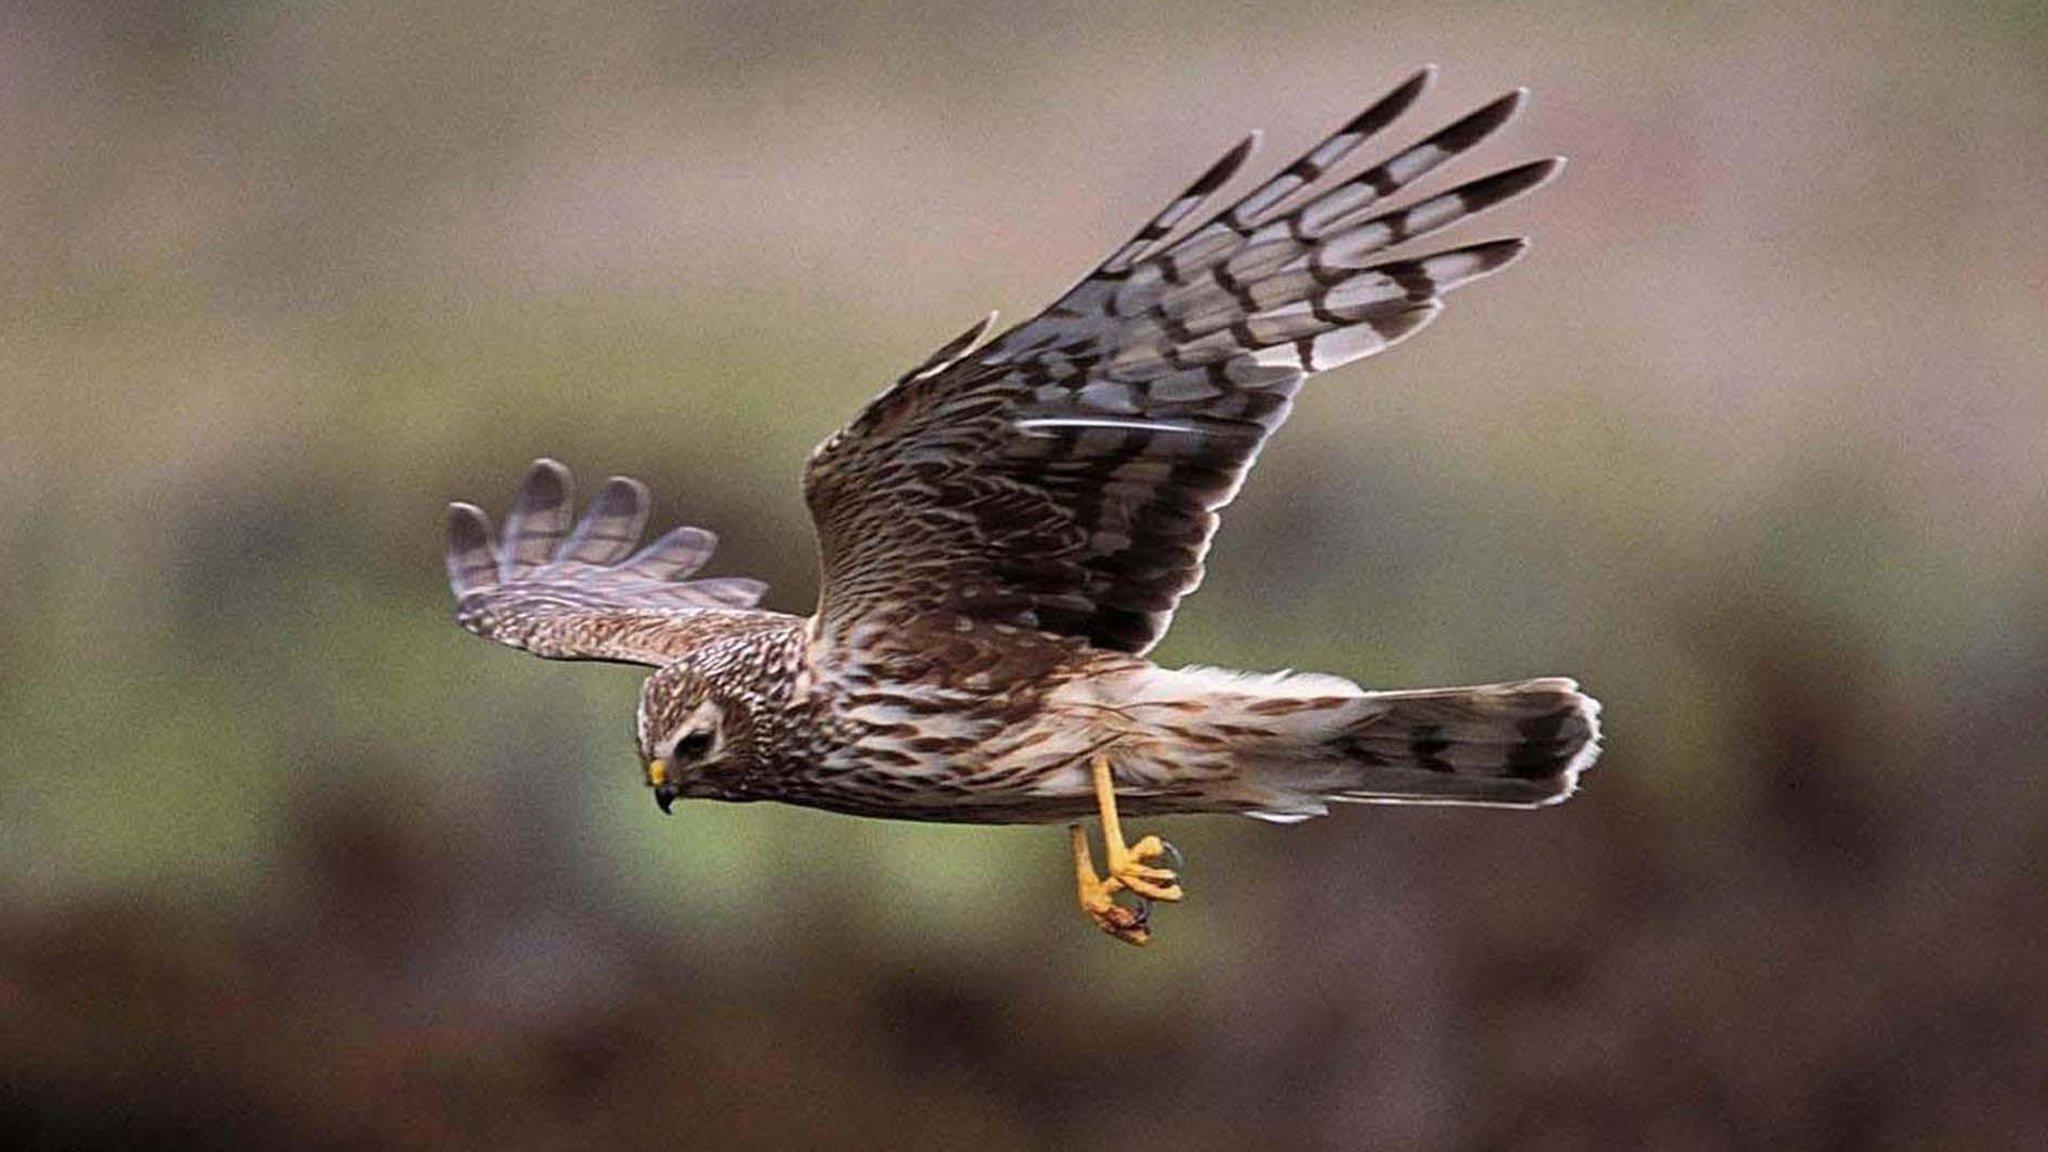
x=1144, y=910
x=1132, y=869
x=1179, y=861
x=1132, y=925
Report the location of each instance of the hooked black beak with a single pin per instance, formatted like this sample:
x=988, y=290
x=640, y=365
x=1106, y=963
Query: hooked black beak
x=665, y=790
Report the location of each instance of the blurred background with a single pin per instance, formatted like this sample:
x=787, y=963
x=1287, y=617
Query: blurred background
x=1755, y=444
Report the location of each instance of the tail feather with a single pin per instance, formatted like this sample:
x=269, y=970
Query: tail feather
x=1518, y=745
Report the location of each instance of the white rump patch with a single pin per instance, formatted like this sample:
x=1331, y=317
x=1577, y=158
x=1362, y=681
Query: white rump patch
x=1200, y=679
x=1288, y=817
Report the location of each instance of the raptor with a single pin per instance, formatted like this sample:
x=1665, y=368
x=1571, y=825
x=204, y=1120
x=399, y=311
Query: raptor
x=1006, y=531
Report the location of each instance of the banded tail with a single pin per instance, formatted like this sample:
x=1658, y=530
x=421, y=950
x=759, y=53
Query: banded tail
x=1521, y=744
x=1300, y=742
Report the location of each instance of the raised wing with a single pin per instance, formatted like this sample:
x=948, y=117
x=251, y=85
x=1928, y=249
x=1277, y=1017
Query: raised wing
x=1066, y=476
x=581, y=591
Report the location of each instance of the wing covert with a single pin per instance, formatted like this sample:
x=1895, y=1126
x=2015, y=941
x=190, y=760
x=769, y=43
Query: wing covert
x=1067, y=475
x=583, y=590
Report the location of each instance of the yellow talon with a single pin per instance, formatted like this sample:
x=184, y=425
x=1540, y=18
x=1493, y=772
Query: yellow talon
x=1098, y=897
x=1130, y=868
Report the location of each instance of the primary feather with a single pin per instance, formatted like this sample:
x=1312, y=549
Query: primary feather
x=1066, y=476
x=578, y=590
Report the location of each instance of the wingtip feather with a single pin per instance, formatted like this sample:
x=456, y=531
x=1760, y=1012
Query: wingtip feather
x=539, y=518
x=545, y=471
x=1484, y=121
x=1396, y=102
x=472, y=552
x=610, y=528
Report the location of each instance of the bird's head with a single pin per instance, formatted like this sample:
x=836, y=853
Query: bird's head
x=689, y=738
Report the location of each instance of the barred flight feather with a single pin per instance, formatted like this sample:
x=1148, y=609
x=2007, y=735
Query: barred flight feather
x=578, y=590
x=1065, y=476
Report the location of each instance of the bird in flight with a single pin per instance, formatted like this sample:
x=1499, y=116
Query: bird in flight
x=1006, y=531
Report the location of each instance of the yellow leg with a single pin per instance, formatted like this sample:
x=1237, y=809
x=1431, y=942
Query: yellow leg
x=1125, y=923
x=1130, y=868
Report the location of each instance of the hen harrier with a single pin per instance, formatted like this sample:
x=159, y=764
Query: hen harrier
x=1005, y=532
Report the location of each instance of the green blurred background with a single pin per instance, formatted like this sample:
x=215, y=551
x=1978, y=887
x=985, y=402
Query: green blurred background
x=1755, y=444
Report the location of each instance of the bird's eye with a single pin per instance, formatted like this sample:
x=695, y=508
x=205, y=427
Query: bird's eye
x=693, y=745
